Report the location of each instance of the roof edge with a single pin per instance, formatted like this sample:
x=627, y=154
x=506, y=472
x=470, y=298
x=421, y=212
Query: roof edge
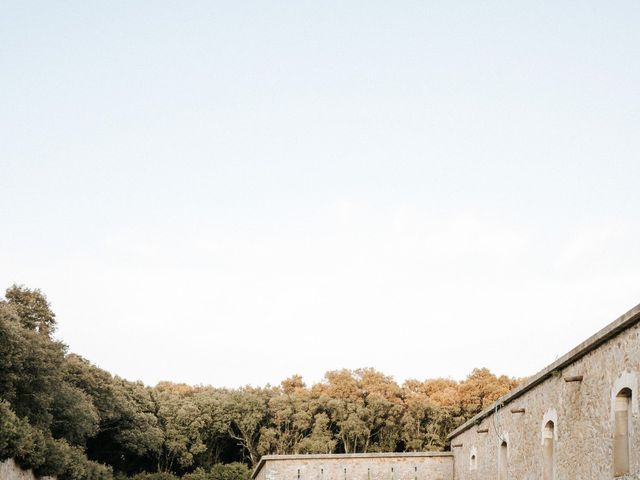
x=330, y=456
x=607, y=333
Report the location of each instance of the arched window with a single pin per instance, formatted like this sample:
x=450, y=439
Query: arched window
x=503, y=462
x=548, y=451
x=621, y=433
x=473, y=458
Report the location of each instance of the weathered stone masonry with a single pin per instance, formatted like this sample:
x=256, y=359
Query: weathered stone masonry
x=564, y=422
x=359, y=466
x=577, y=419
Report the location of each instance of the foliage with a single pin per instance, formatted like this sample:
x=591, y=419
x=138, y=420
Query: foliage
x=38, y=450
x=32, y=308
x=220, y=471
x=155, y=476
x=60, y=415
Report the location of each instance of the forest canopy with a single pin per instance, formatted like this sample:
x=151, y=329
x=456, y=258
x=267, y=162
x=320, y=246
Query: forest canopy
x=61, y=415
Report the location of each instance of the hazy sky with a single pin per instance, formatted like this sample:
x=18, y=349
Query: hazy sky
x=230, y=193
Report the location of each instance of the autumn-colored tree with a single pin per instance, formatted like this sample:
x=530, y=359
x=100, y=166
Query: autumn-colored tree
x=481, y=388
x=422, y=418
x=364, y=407
x=383, y=398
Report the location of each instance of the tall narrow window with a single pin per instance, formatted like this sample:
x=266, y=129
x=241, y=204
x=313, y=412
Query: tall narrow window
x=548, y=451
x=503, y=462
x=473, y=458
x=298, y=474
x=621, y=433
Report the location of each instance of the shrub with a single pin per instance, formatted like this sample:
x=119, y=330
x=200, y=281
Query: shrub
x=198, y=474
x=229, y=471
x=154, y=476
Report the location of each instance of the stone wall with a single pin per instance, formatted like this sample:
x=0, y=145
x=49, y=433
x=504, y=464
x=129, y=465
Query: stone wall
x=582, y=413
x=381, y=466
x=10, y=471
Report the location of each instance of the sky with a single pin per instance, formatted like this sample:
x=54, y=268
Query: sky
x=230, y=193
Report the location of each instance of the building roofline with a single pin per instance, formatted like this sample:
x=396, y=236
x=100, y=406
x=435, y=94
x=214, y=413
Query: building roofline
x=333, y=456
x=607, y=333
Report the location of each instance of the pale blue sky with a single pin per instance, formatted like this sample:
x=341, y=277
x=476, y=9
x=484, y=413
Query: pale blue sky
x=231, y=193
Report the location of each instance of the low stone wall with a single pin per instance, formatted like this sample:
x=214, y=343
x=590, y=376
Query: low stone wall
x=374, y=466
x=10, y=471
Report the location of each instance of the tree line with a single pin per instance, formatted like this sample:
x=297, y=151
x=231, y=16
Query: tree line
x=61, y=415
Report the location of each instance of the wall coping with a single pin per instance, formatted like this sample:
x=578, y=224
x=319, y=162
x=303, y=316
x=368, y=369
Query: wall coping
x=344, y=456
x=621, y=324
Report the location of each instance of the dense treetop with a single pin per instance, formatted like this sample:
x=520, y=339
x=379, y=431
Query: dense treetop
x=61, y=415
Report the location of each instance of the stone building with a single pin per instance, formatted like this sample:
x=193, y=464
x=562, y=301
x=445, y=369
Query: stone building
x=577, y=419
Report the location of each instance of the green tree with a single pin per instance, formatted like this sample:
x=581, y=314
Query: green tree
x=132, y=440
x=32, y=307
x=321, y=439
x=244, y=412
x=290, y=418
x=30, y=371
x=181, y=423
x=75, y=418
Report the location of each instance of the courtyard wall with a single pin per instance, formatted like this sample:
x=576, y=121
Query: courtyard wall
x=372, y=466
